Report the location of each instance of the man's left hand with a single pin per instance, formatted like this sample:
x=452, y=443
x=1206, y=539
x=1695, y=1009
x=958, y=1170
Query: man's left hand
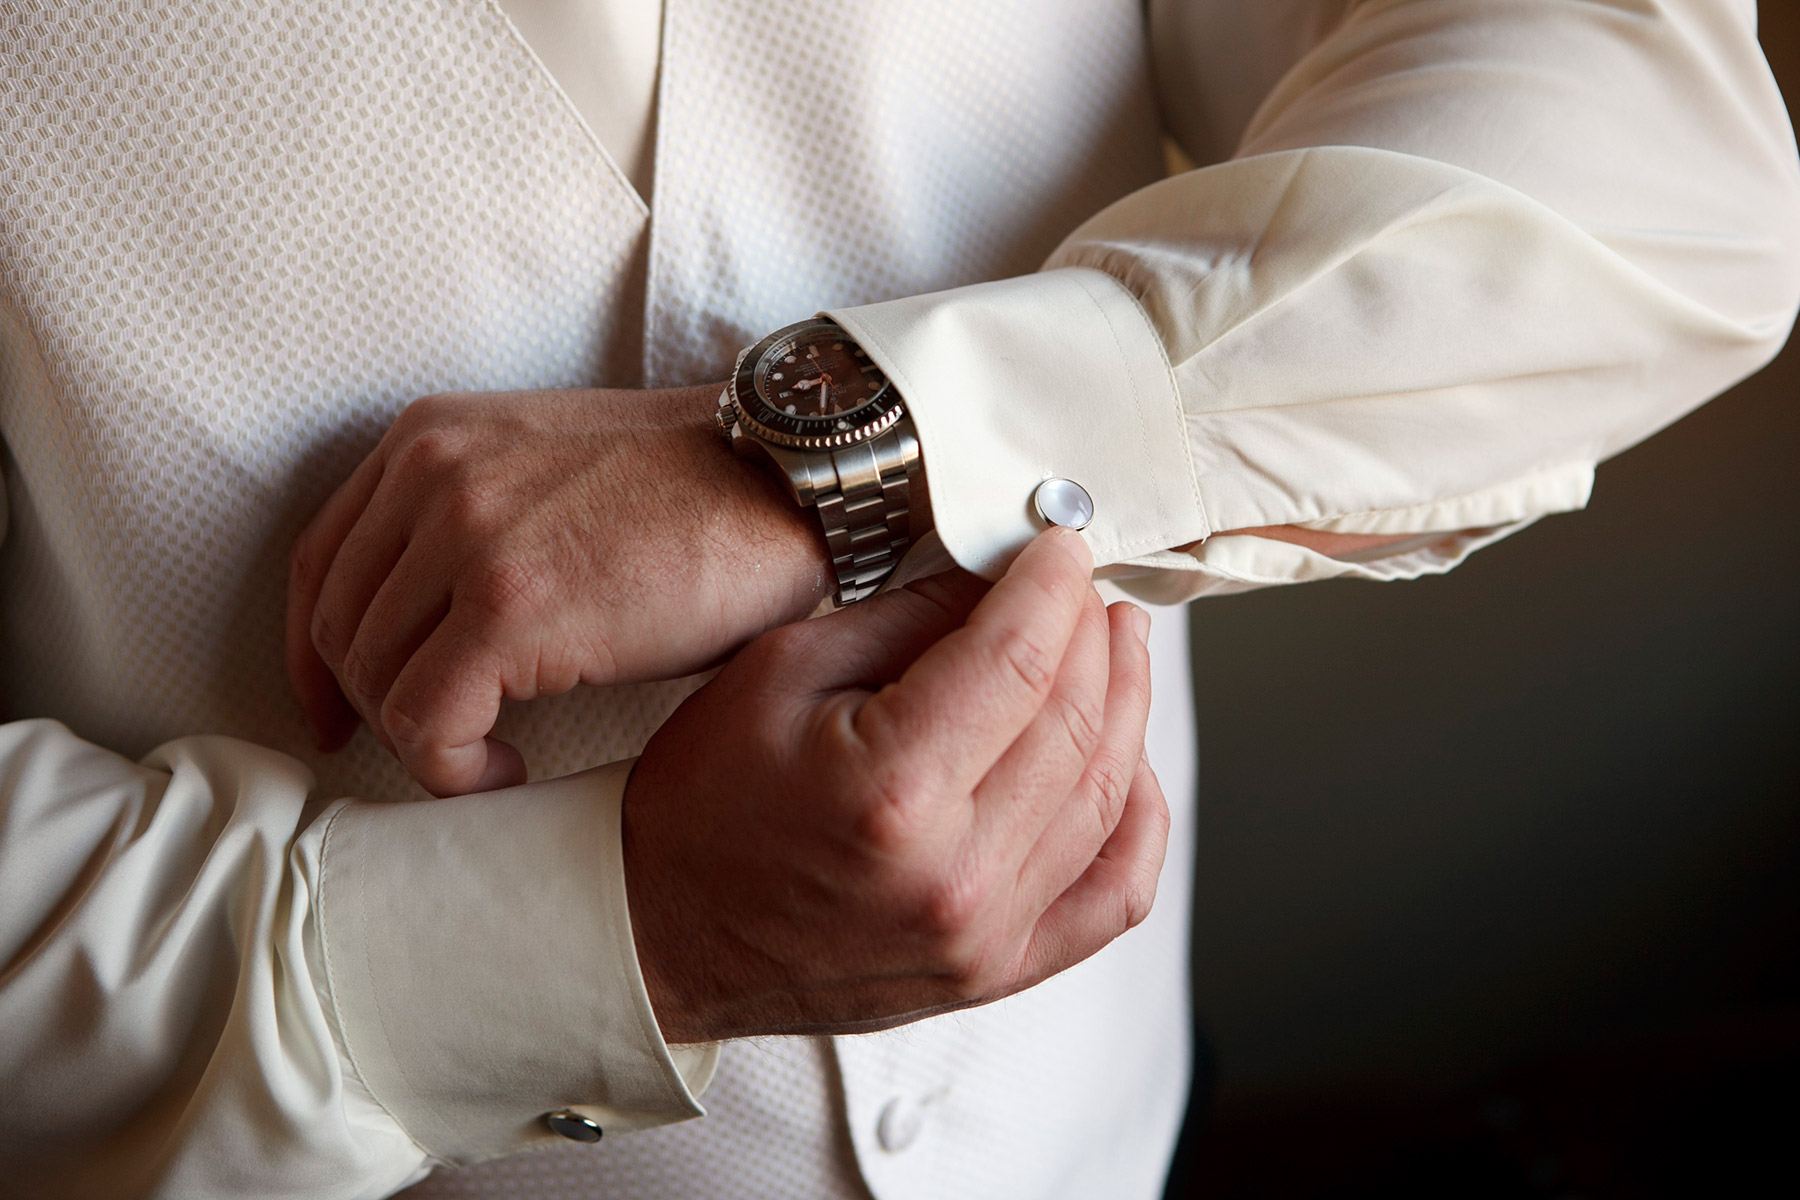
x=518, y=544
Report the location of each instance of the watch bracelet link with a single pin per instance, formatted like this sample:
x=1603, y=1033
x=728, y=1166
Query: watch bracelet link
x=866, y=510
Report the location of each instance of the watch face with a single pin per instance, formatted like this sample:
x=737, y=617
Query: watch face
x=811, y=383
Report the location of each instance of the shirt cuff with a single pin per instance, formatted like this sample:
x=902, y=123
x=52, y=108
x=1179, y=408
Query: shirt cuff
x=1445, y=532
x=480, y=963
x=1053, y=375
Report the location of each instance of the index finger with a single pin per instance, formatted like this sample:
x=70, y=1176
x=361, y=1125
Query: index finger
x=957, y=709
x=329, y=714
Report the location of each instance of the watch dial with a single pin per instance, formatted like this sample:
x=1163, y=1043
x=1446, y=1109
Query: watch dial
x=818, y=374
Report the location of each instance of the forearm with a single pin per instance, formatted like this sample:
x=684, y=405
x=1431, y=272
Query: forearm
x=1458, y=261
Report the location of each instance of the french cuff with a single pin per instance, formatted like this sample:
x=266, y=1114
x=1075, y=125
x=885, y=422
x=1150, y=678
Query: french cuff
x=1053, y=375
x=480, y=963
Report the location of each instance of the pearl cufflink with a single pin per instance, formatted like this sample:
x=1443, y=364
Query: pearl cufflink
x=1063, y=502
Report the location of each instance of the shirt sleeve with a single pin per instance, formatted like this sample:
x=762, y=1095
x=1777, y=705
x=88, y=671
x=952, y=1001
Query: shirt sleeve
x=216, y=984
x=1464, y=250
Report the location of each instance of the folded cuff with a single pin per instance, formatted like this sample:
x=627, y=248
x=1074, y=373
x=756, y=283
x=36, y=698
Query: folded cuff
x=1053, y=375
x=480, y=962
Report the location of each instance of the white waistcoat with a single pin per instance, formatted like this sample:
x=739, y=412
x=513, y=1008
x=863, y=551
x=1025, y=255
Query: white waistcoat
x=235, y=239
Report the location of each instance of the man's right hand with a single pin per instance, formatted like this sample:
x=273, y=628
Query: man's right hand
x=924, y=802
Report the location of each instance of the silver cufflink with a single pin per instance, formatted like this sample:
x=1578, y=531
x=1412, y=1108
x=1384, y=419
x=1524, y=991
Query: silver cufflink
x=1063, y=502
x=573, y=1125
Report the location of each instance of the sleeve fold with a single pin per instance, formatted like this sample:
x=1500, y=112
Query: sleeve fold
x=1465, y=251
x=214, y=983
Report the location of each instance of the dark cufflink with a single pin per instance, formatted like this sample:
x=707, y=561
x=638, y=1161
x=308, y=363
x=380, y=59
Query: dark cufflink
x=573, y=1126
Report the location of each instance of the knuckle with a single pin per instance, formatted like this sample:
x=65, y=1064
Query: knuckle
x=888, y=822
x=505, y=591
x=969, y=979
x=973, y=968
x=403, y=722
x=469, y=505
x=949, y=911
x=1112, y=772
x=1139, y=893
x=359, y=671
x=1082, y=720
x=955, y=916
x=943, y=598
x=331, y=637
x=1137, y=693
x=1025, y=658
x=430, y=452
x=1160, y=825
x=428, y=412
x=1139, y=898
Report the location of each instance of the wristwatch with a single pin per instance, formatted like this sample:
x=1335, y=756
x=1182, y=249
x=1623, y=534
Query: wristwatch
x=807, y=400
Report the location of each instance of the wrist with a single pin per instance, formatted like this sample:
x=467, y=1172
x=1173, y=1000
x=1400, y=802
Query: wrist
x=653, y=901
x=764, y=537
x=809, y=402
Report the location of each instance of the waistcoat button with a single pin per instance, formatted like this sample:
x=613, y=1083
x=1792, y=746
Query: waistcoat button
x=899, y=1124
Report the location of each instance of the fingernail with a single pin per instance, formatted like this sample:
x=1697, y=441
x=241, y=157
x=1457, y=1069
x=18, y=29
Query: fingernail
x=1140, y=624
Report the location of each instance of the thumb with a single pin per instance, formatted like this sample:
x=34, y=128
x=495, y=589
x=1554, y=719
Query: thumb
x=871, y=643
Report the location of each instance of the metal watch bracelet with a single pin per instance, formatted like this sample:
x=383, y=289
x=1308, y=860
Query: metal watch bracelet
x=864, y=495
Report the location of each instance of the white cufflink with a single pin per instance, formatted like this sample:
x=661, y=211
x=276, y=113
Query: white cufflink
x=1063, y=502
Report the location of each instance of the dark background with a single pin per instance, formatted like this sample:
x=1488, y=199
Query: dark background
x=1499, y=875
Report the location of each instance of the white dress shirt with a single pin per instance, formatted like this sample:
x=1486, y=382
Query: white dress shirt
x=604, y=55
x=1442, y=258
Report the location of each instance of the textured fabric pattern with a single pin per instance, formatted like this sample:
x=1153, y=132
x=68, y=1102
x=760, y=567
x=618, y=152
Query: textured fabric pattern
x=774, y=1128
x=819, y=155
x=234, y=239
x=237, y=241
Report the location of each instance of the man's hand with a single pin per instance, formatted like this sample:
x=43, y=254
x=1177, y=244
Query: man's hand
x=903, y=808
x=519, y=544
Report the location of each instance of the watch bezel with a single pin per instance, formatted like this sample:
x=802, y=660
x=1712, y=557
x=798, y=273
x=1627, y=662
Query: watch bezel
x=759, y=418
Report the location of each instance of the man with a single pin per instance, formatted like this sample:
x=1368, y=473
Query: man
x=1461, y=251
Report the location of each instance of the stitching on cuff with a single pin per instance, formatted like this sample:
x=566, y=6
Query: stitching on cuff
x=381, y=1013
x=1162, y=354
x=1162, y=508
x=326, y=871
x=1137, y=404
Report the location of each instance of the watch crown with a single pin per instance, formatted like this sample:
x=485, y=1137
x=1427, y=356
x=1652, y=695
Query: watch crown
x=726, y=417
